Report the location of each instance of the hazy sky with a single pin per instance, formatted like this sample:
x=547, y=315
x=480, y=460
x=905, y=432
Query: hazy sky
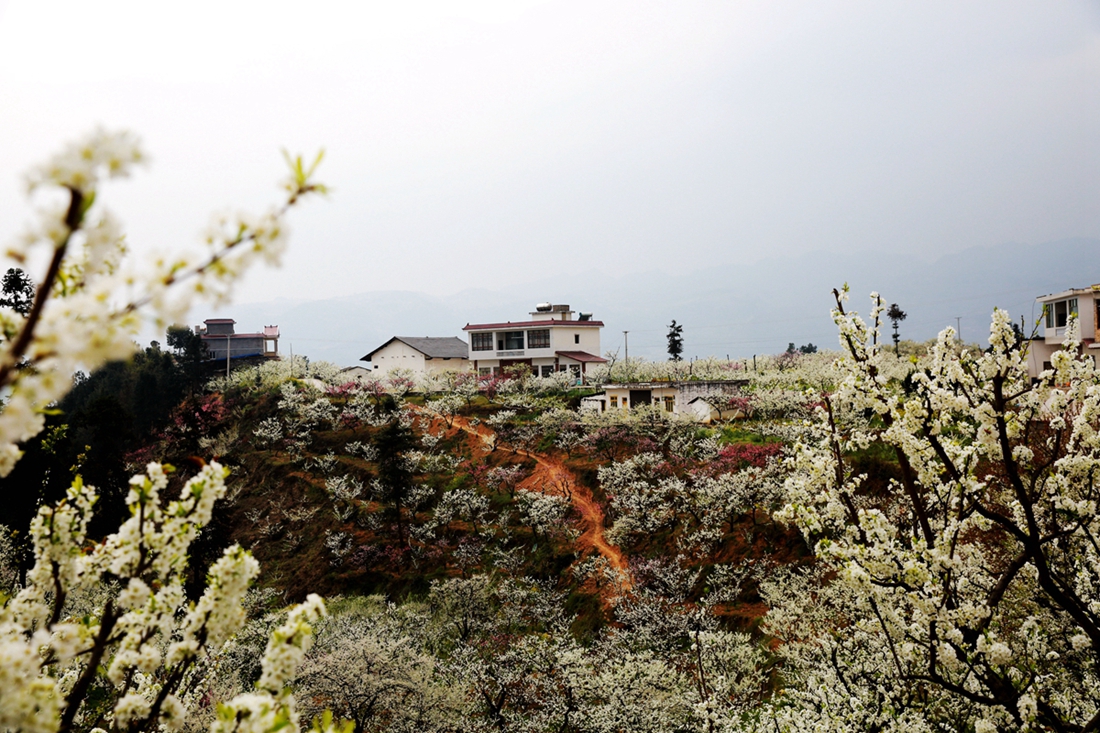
x=475, y=143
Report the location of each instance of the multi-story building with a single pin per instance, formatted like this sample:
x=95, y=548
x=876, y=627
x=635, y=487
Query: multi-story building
x=1058, y=308
x=220, y=340
x=552, y=340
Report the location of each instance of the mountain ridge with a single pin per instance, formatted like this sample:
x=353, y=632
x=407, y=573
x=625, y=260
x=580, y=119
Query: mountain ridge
x=729, y=309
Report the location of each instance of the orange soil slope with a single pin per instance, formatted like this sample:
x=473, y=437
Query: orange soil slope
x=552, y=477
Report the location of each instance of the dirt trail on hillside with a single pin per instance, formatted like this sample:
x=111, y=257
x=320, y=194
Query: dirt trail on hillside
x=551, y=476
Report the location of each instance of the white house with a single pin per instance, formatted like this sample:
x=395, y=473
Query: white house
x=355, y=372
x=423, y=356
x=703, y=400
x=1057, y=310
x=552, y=340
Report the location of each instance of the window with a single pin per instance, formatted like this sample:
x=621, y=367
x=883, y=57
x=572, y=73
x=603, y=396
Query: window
x=513, y=340
x=1058, y=312
x=576, y=338
x=484, y=371
x=481, y=342
x=670, y=404
x=538, y=339
x=547, y=371
x=614, y=400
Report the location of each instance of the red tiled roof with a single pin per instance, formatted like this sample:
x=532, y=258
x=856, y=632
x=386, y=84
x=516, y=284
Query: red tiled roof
x=583, y=356
x=530, y=324
x=219, y=320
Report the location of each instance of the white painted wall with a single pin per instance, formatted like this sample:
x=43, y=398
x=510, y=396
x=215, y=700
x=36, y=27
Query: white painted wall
x=562, y=338
x=1086, y=314
x=399, y=355
x=438, y=366
x=657, y=395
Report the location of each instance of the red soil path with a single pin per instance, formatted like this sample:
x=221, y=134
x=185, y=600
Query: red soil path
x=552, y=477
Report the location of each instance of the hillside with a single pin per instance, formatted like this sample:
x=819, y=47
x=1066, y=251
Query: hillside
x=494, y=558
x=346, y=489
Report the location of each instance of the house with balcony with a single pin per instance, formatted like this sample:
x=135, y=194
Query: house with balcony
x=553, y=339
x=1058, y=308
x=222, y=341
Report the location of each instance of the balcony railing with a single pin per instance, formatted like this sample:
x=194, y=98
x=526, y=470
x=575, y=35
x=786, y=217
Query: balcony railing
x=501, y=354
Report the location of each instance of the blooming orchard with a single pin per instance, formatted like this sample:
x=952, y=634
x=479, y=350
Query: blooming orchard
x=968, y=586
x=101, y=634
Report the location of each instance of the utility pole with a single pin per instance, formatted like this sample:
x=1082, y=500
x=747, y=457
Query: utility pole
x=958, y=328
x=626, y=350
x=227, y=347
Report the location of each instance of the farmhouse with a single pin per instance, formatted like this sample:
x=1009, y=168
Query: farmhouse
x=703, y=400
x=1058, y=308
x=355, y=372
x=420, y=355
x=221, y=341
x=552, y=340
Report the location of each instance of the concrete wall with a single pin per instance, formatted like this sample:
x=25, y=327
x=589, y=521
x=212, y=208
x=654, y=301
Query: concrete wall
x=437, y=365
x=561, y=339
x=399, y=355
x=1086, y=314
x=1040, y=351
x=682, y=393
x=355, y=372
x=657, y=396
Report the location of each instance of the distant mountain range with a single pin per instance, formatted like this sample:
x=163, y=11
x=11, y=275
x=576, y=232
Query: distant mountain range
x=735, y=310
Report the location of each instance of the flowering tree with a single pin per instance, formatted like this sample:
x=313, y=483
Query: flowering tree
x=368, y=666
x=90, y=303
x=967, y=590
x=101, y=634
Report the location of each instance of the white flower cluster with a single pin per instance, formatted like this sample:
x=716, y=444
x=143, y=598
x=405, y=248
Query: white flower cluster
x=544, y=513
x=90, y=302
x=103, y=633
x=141, y=640
x=967, y=578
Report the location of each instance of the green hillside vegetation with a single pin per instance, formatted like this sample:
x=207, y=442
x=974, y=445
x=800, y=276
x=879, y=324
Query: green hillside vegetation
x=497, y=558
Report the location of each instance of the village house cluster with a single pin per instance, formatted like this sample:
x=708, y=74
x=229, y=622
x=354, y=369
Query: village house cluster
x=554, y=339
